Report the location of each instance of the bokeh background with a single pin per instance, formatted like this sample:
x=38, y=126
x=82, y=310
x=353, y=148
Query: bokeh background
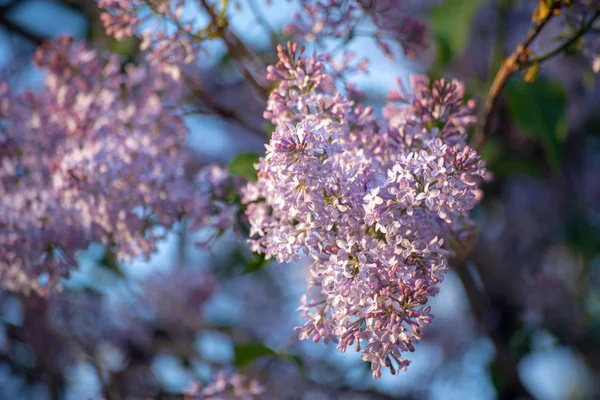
x=519, y=317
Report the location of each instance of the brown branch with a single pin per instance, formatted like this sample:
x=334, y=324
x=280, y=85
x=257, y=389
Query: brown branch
x=226, y=113
x=565, y=46
x=509, y=66
x=17, y=29
x=492, y=315
x=235, y=47
x=274, y=38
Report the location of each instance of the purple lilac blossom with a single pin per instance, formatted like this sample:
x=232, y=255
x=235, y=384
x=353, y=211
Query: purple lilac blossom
x=95, y=156
x=373, y=203
x=214, y=203
x=169, y=38
x=319, y=19
x=234, y=386
x=173, y=300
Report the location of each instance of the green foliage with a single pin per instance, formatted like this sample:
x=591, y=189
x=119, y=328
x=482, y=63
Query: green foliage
x=583, y=236
x=520, y=342
x=256, y=262
x=538, y=108
x=110, y=262
x=509, y=166
x=450, y=22
x=126, y=47
x=297, y=360
x=504, y=166
x=269, y=127
x=246, y=353
x=243, y=165
x=240, y=260
x=491, y=151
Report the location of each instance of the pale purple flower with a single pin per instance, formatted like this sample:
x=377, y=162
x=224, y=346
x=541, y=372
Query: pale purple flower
x=95, y=157
x=235, y=386
x=372, y=203
x=170, y=39
x=385, y=21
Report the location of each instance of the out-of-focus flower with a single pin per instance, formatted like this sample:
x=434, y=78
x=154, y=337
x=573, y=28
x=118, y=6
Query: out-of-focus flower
x=320, y=19
x=94, y=156
x=171, y=40
x=235, y=386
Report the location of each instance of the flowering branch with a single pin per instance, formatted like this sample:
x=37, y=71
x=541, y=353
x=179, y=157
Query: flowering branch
x=226, y=113
x=566, y=45
x=373, y=203
x=378, y=204
x=520, y=59
x=234, y=46
x=509, y=66
x=485, y=310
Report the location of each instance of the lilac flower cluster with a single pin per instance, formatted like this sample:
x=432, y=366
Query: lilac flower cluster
x=172, y=300
x=86, y=325
x=319, y=19
x=235, y=386
x=227, y=387
x=215, y=202
x=94, y=156
x=373, y=203
x=171, y=40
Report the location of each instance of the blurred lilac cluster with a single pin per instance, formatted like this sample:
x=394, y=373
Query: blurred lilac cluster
x=168, y=49
x=226, y=387
x=123, y=335
x=94, y=156
x=371, y=202
x=319, y=19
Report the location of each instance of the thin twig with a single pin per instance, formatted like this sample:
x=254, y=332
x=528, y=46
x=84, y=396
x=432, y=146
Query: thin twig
x=233, y=43
x=585, y=28
x=499, y=44
x=260, y=18
x=8, y=24
x=226, y=113
x=509, y=66
x=485, y=310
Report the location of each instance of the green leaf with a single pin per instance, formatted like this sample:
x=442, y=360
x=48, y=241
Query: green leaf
x=531, y=73
x=538, y=108
x=243, y=165
x=127, y=47
x=582, y=235
x=520, y=342
x=491, y=151
x=255, y=263
x=450, y=22
x=246, y=353
x=110, y=262
x=507, y=166
x=269, y=127
x=295, y=359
